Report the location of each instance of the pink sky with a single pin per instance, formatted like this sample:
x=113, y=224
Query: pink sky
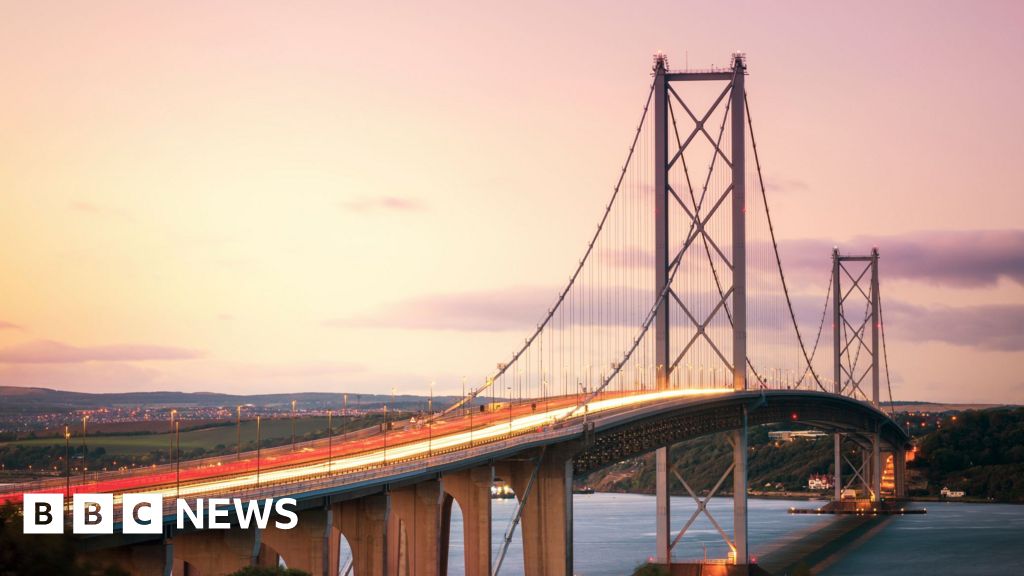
x=236, y=196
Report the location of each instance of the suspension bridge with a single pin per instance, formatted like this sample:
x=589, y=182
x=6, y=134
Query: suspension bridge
x=677, y=322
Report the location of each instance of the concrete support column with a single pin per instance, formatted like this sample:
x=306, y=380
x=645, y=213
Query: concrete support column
x=149, y=558
x=215, y=551
x=472, y=490
x=547, y=515
x=739, y=495
x=414, y=523
x=876, y=467
x=838, y=466
x=899, y=472
x=662, y=506
x=363, y=522
x=302, y=547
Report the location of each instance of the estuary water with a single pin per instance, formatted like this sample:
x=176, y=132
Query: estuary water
x=613, y=533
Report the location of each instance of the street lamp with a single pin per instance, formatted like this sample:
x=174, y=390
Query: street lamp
x=177, y=459
x=170, y=443
x=293, y=425
x=67, y=465
x=385, y=433
x=238, y=432
x=344, y=405
x=85, y=449
x=330, y=439
x=430, y=421
x=258, y=433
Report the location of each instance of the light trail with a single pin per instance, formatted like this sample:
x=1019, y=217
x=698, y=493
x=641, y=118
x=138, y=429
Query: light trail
x=419, y=448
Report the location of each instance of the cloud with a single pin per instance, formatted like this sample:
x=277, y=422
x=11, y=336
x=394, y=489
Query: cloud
x=384, y=203
x=522, y=308
x=50, y=352
x=493, y=310
x=783, y=184
x=9, y=326
x=963, y=258
x=988, y=327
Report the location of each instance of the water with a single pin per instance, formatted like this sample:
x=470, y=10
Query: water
x=952, y=538
x=613, y=533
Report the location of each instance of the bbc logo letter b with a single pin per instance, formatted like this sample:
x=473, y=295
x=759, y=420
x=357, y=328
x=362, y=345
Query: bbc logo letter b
x=93, y=514
x=43, y=513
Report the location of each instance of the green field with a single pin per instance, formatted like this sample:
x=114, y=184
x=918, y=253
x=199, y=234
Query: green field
x=276, y=431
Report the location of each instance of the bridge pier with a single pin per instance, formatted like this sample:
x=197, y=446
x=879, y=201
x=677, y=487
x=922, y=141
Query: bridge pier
x=876, y=467
x=363, y=522
x=899, y=469
x=472, y=490
x=413, y=528
x=303, y=546
x=146, y=558
x=212, y=552
x=547, y=512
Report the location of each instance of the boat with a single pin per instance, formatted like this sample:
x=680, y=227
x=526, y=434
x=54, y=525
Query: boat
x=501, y=491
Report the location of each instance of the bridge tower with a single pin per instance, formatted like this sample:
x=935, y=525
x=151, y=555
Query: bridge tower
x=852, y=348
x=733, y=99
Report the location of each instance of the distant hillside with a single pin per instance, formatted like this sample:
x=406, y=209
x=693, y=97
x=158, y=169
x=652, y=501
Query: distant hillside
x=980, y=452
x=917, y=406
x=17, y=399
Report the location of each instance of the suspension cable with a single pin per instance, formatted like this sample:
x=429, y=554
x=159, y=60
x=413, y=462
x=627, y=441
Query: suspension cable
x=696, y=215
x=885, y=353
x=572, y=279
x=775, y=248
x=821, y=326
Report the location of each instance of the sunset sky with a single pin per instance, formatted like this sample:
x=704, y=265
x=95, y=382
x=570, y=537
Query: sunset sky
x=340, y=196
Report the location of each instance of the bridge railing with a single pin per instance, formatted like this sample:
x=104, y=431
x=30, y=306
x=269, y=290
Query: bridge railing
x=324, y=481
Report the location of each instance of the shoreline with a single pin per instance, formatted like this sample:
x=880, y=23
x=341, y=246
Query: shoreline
x=813, y=496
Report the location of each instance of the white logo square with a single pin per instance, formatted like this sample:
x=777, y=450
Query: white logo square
x=43, y=513
x=93, y=514
x=142, y=513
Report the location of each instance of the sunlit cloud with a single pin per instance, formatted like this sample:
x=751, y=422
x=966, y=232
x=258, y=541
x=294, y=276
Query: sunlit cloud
x=9, y=326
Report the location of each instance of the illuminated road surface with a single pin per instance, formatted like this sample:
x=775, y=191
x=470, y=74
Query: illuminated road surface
x=349, y=456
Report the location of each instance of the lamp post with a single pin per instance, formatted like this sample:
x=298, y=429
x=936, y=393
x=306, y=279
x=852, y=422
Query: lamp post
x=385, y=434
x=177, y=459
x=85, y=449
x=509, y=388
x=238, y=432
x=67, y=465
x=344, y=405
x=330, y=439
x=258, y=450
x=293, y=425
x=170, y=443
x=430, y=421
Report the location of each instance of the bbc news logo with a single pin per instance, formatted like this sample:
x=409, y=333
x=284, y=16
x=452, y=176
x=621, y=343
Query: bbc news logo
x=142, y=513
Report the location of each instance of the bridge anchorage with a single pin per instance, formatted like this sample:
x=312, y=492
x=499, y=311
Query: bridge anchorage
x=659, y=336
